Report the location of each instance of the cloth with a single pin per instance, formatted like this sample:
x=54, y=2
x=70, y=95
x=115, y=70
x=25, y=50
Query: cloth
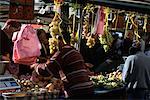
x=138, y=94
x=139, y=65
x=101, y=23
x=44, y=51
x=127, y=43
x=13, y=69
x=147, y=53
x=136, y=74
x=72, y=64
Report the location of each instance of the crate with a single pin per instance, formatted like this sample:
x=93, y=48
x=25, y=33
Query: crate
x=31, y=95
x=16, y=96
x=44, y=96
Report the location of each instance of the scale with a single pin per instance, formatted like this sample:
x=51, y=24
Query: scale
x=8, y=83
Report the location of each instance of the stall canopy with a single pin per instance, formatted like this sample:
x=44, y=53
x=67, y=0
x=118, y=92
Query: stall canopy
x=142, y=6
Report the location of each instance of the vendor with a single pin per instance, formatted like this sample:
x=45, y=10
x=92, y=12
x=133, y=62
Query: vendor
x=70, y=62
x=45, y=45
x=95, y=55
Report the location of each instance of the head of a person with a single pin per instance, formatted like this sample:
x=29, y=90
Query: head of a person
x=12, y=26
x=63, y=39
x=136, y=47
x=146, y=37
x=42, y=36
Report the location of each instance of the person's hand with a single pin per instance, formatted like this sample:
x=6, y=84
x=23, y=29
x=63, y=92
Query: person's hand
x=89, y=65
x=48, y=61
x=109, y=61
x=5, y=58
x=33, y=66
x=37, y=65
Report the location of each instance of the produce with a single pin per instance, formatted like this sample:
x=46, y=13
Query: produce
x=41, y=86
x=90, y=42
x=85, y=26
x=73, y=39
x=55, y=26
x=87, y=33
x=53, y=45
x=109, y=81
x=56, y=84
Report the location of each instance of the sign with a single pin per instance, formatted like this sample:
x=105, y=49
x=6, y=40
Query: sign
x=21, y=9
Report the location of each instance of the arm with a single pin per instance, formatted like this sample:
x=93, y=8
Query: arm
x=50, y=68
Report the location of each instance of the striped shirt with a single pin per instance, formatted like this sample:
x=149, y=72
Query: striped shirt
x=71, y=63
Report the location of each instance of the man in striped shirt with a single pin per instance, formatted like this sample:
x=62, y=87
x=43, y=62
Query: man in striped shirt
x=70, y=62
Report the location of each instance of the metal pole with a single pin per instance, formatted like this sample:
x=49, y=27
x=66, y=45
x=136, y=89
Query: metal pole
x=81, y=24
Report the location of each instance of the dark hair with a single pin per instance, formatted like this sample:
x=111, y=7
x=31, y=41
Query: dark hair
x=133, y=50
x=136, y=46
x=15, y=24
x=40, y=31
x=144, y=34
x=67, y=37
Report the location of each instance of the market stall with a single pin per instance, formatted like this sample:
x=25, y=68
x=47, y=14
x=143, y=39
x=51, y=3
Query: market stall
x=96, y=29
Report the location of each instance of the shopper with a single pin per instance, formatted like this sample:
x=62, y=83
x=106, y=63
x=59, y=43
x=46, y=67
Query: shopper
x=146, y=37
x=127, y=43
x=70, y=62
x=136, y=74
x=6, y=43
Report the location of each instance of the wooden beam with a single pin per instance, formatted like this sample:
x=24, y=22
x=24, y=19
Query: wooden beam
x=129, y=5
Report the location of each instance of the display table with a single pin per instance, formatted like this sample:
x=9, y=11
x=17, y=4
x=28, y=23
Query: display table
x=29, y=96
x=101, y=93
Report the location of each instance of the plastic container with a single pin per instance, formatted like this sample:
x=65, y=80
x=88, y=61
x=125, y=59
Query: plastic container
x=16, y=96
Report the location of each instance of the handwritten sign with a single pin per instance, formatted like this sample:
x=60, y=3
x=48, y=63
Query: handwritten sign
x=21, y=9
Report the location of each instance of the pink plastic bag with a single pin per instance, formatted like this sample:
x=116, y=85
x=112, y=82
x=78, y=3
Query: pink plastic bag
x=26, y=46
x=101, y=18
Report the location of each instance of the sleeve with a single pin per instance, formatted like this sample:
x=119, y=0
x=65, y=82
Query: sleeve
x=127, y=69
x=4, y=44
x=50, y=69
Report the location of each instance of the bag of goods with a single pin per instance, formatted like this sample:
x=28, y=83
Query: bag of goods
x=26, y=46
